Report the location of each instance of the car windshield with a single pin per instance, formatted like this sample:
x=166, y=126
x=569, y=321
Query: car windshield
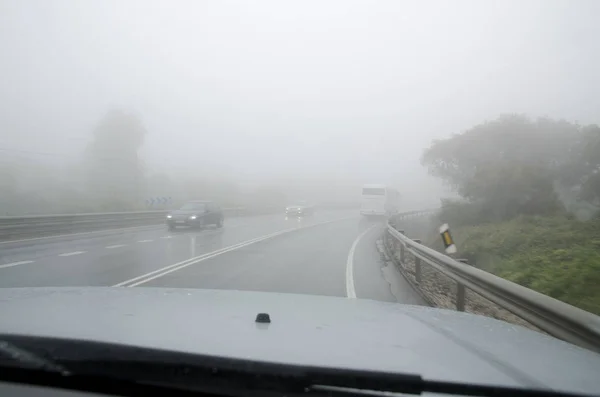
x=193, y=207
x=373, y=191
x=407, y=186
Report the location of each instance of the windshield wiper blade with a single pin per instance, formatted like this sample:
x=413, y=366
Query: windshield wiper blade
x=346, y=382
x=261, y=385
x=449, y=388
x=104, y=364
x=234, y=383
x=12, y=354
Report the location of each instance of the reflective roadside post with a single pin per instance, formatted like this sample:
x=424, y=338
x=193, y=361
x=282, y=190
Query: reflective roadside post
x=449, y=245
x=450, y=248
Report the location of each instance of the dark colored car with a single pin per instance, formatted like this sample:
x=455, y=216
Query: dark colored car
x=196, y=214
x=302, y=209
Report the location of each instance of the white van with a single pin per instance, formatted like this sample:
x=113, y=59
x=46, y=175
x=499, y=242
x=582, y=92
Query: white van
x=379, y=200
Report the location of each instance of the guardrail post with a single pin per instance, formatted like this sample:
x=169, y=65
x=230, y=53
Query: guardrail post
x=417, y=264
x=460, y=297
x=401, y=253
x=401, y=248
x=460, y=292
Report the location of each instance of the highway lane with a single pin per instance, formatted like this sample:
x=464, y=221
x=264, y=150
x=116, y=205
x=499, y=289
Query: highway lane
x=110, y=257
x=314, y=255
x=319, y=260
x=308, y=261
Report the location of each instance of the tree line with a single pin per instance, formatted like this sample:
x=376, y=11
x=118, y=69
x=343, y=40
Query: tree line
x=110, y=175
x=515, y=165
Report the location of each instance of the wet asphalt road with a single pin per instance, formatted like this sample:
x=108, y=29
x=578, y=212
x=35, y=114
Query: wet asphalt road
x=330, y=253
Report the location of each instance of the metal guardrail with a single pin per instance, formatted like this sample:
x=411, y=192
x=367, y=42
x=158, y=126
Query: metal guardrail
x=552, y=316
x=18, y=227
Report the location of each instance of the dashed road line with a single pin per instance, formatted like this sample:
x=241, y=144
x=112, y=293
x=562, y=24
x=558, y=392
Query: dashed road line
x=126, y=229
x=144, y=278
x=15, y=264
x=73, y=253
x=114, y=246
x=145, y=241
x=167, y=237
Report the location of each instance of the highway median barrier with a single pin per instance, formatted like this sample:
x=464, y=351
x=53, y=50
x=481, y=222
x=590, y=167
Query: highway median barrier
x=36, y=226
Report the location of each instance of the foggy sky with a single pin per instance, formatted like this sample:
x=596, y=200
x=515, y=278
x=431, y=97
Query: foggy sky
x=348, y=89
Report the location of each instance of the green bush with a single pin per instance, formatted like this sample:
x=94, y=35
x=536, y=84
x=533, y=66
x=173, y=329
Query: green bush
x=557, y=256
x=460, y=213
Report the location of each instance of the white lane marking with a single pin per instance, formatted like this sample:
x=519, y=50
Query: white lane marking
x=144, y=278
x=15, y=264
x=167, y=237
x=350, y=290
x=114, y=246
x=73, y=253
x=190, y=261
x=133, y=228
x=81, y=234
x=203, y=258
x=145, y=241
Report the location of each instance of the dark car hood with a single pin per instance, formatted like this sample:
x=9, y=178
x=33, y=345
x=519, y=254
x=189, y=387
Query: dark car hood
x=314, y=330
x=186, y=212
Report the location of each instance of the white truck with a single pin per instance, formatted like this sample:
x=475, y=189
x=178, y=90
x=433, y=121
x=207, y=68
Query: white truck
x=379, y=200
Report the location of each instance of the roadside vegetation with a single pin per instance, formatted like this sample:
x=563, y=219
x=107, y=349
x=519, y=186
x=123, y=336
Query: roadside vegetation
x=528, y=211
x=110, y=175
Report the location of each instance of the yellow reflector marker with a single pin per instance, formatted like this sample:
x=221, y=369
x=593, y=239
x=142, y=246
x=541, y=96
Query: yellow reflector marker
x=447, y=239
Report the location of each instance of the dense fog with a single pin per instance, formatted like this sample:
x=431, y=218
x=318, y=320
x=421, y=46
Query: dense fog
x=107, y=104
